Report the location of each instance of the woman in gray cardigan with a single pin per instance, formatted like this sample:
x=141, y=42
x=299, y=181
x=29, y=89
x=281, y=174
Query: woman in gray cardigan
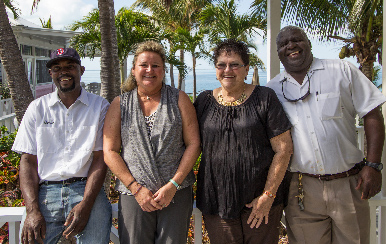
x=151, y=142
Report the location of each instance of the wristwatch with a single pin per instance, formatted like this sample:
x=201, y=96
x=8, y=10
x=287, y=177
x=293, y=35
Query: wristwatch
x=377, y=166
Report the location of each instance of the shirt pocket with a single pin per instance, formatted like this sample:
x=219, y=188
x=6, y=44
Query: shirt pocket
x=329, y=106
x=48, y=139
x=85, y=137
x=291, y=111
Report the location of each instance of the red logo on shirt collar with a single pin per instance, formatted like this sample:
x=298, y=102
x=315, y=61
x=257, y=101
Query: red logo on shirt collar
x=60, y=51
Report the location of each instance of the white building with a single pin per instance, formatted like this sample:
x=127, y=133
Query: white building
x=35, y=44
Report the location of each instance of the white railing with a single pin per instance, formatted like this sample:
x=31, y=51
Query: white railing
x=15, y=216
x=7, y=114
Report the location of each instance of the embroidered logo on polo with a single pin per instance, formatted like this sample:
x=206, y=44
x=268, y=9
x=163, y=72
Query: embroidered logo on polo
x=48, y=122
x=60, y=51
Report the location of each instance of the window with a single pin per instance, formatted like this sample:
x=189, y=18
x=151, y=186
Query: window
x=26, y=50
x=41, y=52
x=42, y=75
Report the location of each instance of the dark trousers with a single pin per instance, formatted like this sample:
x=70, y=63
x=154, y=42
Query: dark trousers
x=237, y=231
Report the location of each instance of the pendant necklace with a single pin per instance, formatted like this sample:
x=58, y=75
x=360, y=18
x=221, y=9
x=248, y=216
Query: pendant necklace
x=147, y=96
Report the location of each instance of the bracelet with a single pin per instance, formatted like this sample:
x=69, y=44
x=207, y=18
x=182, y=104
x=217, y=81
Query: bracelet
x=130, y=184
x=175, y=184
x=270, y=194
x=140, y=186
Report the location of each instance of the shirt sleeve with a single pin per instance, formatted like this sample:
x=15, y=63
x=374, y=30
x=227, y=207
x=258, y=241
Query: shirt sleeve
x=277, y=120
x=25, y=141
x=365, y=95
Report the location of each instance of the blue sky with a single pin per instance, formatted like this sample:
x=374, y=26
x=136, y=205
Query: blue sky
x=65, y=12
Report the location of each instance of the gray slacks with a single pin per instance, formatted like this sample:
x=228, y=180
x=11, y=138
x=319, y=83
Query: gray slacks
x=167, y=226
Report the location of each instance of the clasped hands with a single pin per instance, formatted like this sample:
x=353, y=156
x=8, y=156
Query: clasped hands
x=161, y=199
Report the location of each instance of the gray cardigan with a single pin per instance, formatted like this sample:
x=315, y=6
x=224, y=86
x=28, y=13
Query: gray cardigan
x=152, y=161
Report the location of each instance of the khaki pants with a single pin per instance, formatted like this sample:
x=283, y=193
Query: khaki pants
x=334, y=212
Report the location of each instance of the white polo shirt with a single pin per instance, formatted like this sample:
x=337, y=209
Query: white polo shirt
x=63, y=139
x=324, y=131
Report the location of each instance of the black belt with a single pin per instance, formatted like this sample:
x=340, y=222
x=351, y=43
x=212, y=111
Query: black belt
x=64, y=182
x=327, y=177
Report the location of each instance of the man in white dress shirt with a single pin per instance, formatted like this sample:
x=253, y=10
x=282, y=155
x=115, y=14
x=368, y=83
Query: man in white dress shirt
x=62, y=168
x=332, y=182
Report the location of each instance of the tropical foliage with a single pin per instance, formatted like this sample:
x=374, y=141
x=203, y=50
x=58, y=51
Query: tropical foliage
x=177, y=14
x=46, y=24
x=132, y=28
x=357, y=23
x=186, y=40
x=223, y=22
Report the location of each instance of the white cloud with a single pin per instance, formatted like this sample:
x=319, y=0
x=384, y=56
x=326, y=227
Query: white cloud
x=62, y=12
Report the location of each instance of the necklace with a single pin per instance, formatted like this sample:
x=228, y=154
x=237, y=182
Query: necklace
x=234, y=103
x=147, y=96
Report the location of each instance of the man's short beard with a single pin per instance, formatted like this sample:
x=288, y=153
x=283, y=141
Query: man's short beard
x=71, y=88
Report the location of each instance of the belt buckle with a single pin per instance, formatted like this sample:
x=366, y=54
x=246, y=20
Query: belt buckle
x=67, y=182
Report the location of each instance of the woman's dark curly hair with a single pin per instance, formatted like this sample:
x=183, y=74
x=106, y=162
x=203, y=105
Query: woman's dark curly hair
x=232, y=45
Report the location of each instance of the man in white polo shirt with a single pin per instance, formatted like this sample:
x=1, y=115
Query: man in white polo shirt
x=332, y=182
x=62, y=168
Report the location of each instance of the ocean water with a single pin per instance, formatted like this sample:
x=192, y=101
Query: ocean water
x=205, y=79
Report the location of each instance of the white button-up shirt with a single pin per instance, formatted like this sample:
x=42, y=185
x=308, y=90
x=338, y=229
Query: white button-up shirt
x=324, y=131
x=63, y=139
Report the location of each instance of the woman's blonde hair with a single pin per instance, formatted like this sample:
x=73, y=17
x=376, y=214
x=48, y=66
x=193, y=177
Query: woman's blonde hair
x=147, y=46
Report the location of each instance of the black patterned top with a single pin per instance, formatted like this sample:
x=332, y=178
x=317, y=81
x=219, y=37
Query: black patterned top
x=149, y=120
x=236, y=150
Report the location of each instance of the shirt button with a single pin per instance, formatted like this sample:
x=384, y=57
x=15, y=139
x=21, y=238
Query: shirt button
x=316, y=149
x=308, y=117
x=312, y=132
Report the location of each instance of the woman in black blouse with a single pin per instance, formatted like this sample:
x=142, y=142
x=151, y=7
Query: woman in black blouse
x=246, y=147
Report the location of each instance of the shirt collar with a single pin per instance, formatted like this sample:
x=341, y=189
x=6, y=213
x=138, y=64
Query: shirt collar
x=83, y=98
x=316, y=64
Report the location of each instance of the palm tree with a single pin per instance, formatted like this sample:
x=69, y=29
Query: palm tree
x=13, y=63
x=224, y=23
x=110, y=77
x=187, y=41
x=132, y=28
x=172, y=15
x=358, y=23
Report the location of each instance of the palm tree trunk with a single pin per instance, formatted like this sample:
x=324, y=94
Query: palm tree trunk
x=172, y=76
x=367, y=69
x=14, y=68
x=122, y=72
x=194, y=78
x=110, y=76
x=180, y=76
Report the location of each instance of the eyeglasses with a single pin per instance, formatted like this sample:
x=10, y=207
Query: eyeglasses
x=303, y=97
x=231, y=66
